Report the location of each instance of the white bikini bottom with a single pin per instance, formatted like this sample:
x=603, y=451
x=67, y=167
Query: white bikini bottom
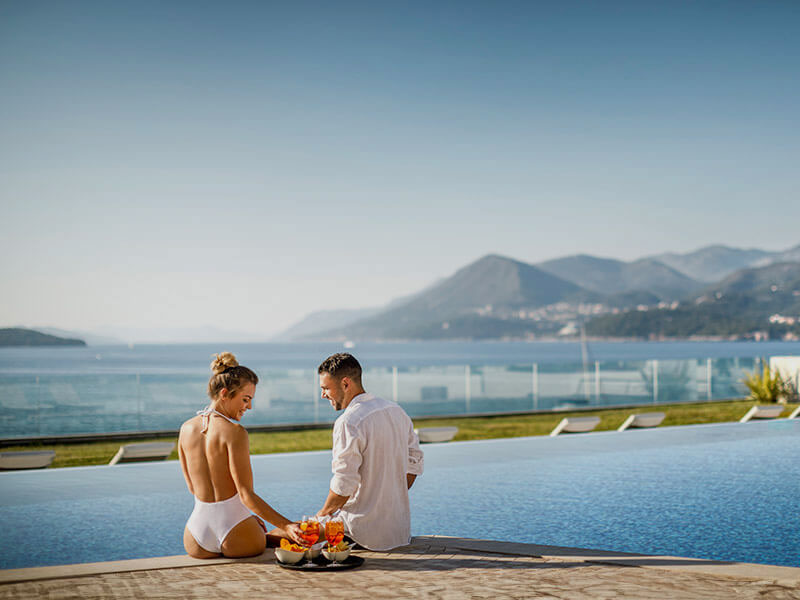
x=211, y=522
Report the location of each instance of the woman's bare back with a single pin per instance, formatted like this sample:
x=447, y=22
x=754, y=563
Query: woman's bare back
x=205, y=456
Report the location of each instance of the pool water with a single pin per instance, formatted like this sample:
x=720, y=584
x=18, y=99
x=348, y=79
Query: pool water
x=726, y=492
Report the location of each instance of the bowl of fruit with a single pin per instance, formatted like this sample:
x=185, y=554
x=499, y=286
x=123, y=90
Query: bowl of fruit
x=290, y=553
x=337, y=553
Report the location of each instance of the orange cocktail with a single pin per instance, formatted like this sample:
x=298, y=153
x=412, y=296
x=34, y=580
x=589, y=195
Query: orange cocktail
x=334, y=531
x=310, y=528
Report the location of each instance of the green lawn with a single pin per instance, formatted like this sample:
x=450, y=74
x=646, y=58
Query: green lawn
x=469, y=428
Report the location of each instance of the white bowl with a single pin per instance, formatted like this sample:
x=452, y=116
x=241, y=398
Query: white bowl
x=288, y=556
x=337, y=556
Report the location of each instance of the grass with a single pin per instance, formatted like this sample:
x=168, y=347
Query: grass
x=469, y=428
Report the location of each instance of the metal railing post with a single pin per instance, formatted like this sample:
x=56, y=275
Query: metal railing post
x=394, y=384
x=597, y=382
x=138, y=401
x=655, y=381
x=535, y=383
x=467, y=386
x=708, y=379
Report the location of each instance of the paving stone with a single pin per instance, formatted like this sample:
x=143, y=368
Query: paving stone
x=424, y=570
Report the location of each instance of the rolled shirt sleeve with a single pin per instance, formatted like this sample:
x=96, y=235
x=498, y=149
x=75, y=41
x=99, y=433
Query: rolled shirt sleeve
x=347, y=444
x=416, y=458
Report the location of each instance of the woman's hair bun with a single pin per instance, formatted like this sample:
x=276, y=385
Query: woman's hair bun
x=223, y=361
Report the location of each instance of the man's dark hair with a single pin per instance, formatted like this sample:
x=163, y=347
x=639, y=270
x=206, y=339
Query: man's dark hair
x=341, y=365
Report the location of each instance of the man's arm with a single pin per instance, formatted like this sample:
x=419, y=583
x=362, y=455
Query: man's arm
x=333, y=503
x=346, y=466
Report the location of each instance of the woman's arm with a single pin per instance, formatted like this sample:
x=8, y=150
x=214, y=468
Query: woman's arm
x=184, y=467
x=242, y=473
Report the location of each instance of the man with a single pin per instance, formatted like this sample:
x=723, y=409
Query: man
x=376, y=458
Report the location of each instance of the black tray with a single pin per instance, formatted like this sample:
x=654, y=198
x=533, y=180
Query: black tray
x=323, y=564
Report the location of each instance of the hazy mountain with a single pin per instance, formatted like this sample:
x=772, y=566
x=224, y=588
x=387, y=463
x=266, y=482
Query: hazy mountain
x=321, y=321
x=713, y=263
x=90, y=338
x=180, y=335
x=490, y=285
x=790, y=255
x=28, y=337
x=325, y=320
x=609, y=276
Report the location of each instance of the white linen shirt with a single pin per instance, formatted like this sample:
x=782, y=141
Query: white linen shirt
x=374, y=446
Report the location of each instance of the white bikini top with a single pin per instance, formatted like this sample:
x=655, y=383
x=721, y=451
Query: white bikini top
x=206, y=414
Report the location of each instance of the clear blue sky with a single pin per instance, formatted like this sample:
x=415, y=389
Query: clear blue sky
x=182, y=164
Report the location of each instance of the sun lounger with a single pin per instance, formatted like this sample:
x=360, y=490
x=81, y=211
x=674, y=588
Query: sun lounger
x=575, y=425
x=652, y=419
x=30, y=459
x=795, y=413
x=143, y=452
x=770, y=411
x=436, y=434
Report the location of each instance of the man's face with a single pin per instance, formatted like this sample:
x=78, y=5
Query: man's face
x=333, y=389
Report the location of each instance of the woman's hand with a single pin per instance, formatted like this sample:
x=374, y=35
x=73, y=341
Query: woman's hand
x=294, y=533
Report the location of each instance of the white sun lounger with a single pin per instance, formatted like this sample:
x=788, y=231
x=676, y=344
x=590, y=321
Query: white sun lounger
x=575, y=425
x=795, y=413
x=29, y=459
x=652, y=419
x=143, y=452
x=436, y=434
x=770, y=411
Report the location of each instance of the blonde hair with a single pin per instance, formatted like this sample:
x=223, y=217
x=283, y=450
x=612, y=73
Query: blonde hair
x=228, y=374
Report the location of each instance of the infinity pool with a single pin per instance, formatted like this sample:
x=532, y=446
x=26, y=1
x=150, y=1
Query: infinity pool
x=727, y=492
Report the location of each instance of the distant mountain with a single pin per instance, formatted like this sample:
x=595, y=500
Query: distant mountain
x=499, y=297
x=609, y=276
x=321, y=321
x=28, y=337
x=325, y=320
x=790, y=255
x=488, y=287
x=713, y=263
x=777, y=281
x=747, y=303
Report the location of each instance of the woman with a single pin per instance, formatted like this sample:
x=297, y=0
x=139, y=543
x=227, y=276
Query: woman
x=215, y=457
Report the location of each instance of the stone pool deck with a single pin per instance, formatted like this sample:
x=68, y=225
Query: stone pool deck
x=430, y=567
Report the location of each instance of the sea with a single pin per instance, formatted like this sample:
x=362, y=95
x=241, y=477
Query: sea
x=47, y=391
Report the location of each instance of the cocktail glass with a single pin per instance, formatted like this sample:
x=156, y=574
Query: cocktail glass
x=310, y=528
x=334, y=532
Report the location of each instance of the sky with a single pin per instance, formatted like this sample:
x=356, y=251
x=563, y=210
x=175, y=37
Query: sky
x=234, y=166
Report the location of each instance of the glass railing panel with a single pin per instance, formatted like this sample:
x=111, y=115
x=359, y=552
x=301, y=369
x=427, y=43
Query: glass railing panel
x=498, y=389
x=431, y=391
x=677, y=381
x=727, y=375
x=63, y=404
x=625, y=382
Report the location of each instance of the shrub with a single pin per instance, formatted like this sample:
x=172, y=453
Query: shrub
x=767, y=386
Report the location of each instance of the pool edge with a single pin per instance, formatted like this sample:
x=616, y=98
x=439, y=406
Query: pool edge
x=735, y=570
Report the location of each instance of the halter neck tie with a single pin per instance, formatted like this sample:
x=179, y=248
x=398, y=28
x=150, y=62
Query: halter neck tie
x=206, y=414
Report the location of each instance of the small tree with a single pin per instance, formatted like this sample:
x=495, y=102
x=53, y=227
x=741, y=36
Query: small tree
x=768, y=386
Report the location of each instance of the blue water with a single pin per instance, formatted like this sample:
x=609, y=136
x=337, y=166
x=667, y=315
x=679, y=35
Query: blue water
x=725, y=492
